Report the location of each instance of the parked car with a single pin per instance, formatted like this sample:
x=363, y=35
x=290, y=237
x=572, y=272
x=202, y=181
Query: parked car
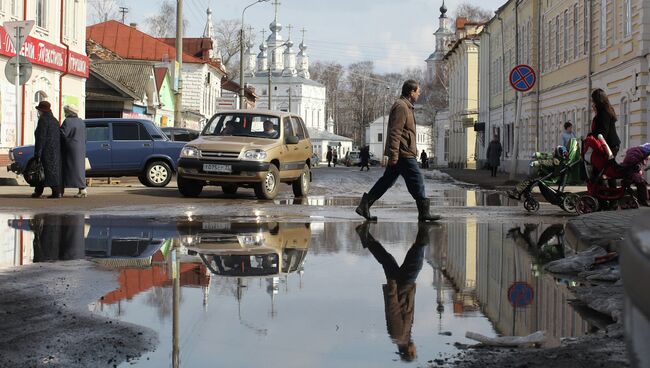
x=120, y=147
x=180, y=134
x=235, y=150
x=353, y=158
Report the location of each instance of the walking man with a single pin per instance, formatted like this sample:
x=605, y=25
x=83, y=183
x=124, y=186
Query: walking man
x=402, y=157
x=328, y=156
x=73, y=132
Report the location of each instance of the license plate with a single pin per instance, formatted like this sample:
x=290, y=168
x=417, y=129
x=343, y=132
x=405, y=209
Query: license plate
x=215, y=226
x=217, y=168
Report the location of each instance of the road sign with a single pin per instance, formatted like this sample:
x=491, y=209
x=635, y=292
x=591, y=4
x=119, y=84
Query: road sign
x=520, y=294
x=25, y=70
x=18, y=38
x=522, y=78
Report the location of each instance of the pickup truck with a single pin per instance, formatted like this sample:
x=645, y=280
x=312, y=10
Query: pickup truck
x=120, y=147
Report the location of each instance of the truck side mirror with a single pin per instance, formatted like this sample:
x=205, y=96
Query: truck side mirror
x=292, y=139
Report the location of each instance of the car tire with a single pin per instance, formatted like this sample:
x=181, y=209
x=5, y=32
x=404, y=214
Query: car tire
x=189, y=187
x=301, y=185
x=143, y=180
x=157, y=174
x=270, y=187
x=229, y=188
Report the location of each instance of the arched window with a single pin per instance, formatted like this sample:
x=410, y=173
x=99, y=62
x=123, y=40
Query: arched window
x=39, y=96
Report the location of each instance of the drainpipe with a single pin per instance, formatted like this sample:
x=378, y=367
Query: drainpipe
x=22, y=119
x=589, y=60
x=503, y=73
x=67, y=64
x=539, y=70
x=488, y=130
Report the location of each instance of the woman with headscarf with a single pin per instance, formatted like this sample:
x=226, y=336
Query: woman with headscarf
x=47, y=149
x=73, y=131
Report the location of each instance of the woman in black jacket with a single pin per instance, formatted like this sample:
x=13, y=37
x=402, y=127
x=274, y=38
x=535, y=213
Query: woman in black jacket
x=605, y=119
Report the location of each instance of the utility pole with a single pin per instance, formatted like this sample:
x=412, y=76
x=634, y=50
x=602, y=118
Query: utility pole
x=178, y=112
x=123, y=10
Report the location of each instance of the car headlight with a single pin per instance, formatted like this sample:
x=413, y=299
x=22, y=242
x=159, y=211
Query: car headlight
x=190, y=152
x=255, y=155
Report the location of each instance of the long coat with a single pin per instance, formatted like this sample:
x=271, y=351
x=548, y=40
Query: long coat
x=73, y=133
x=494, y=153
x=402, y=139
x=48, y=148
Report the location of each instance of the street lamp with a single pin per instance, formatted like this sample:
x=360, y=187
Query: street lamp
x=242, y=97
x=383, y=120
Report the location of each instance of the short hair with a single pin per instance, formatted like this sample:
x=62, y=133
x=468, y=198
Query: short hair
x=567, y=125
x=409, y=86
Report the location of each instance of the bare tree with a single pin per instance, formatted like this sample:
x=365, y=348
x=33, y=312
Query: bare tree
x=163, y=24
x=227, y=35
x=473, y=13
x=330, y=74
x=103, y=10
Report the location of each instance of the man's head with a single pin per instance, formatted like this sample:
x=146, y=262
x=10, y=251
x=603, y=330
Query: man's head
x=268, y=126
x=411, y=90
x=568, y=127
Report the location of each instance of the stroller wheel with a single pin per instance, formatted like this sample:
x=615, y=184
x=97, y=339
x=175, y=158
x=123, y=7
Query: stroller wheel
x=628, y=202
x=570, y=202
x=587, y=204
x=531, y=205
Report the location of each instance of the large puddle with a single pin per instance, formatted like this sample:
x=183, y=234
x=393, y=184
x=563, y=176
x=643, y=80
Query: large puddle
x=295, y=294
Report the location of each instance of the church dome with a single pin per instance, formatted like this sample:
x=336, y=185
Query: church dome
x=443, y=10
x=275, y=26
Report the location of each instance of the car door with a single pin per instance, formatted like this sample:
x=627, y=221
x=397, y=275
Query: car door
x=132, y=144
x=304, y=145
x=98, y=147
x=292, y=154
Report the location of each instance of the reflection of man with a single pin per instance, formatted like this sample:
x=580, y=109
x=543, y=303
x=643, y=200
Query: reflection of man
x=269, y=130
x=399, y=290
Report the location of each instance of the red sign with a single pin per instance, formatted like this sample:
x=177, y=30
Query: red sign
x=520, y=294
x=522, y=78
x=46, y=54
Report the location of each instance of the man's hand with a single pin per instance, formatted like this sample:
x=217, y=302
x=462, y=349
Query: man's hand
x=392, y=162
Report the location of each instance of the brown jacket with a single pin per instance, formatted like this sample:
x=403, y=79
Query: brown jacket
x=399, y=304
x=401, y=139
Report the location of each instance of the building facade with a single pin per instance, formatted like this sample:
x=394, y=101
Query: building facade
x=56, y=49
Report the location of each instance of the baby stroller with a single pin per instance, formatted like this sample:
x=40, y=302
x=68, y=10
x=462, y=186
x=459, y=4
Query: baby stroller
x=560, y=168
x=601, y=166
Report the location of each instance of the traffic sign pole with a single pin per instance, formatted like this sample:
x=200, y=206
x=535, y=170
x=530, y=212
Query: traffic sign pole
x=522, y=78
x=515, y=136
x=19, y=123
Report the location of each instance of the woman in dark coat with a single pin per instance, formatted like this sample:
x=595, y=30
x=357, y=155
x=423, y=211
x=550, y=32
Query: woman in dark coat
x=494, y=154
x=73, y=131
x=605, y=120
x=48, y=150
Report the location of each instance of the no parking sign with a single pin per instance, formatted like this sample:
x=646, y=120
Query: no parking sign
x=520, y=294
x=522, y=78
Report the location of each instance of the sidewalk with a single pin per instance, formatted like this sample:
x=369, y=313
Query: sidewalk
x=607, y=229
x=481, y=177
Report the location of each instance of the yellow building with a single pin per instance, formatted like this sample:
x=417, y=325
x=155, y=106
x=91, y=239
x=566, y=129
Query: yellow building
x=463, y=63
x=574, y=46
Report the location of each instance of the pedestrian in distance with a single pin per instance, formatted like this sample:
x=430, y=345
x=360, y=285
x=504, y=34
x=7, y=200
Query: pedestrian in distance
x=568, y=134
x=328, y=156
x=402, y=157
x=335, y=157
x=494, y=155
x=47, y=149
x=73, y=134
x=364, y=155
x=424, y=159
x=604, y=123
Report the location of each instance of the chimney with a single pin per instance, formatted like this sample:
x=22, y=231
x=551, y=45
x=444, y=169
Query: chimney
x=134, y=25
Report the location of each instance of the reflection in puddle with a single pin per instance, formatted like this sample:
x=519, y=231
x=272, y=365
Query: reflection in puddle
x=324, y=294
x=447, y=198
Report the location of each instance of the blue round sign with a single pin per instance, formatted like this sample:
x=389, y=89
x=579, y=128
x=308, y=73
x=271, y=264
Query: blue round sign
x=520, y=294
x=522, y=78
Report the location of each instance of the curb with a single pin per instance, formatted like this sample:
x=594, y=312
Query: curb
x=607, y=229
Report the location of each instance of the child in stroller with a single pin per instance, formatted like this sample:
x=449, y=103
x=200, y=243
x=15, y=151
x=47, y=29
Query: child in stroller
x=601, y=166
x=560, y=168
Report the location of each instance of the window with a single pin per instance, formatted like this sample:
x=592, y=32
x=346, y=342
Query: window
x=575, y=31
x=41, y=13
x=97, y=133
x=603, y=24
x=288, y=130
x=297, y=128
x=39, y=96
x=566, y=35
x=126, y=132
x=380, y=137
x=550, y=39
x=627, y=18
x=585, y=27
x=557, y=40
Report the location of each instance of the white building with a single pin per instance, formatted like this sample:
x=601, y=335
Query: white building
x=376, y=133
x=441, y=138
x=57, y=52
x=288, y=87
x=444, y=37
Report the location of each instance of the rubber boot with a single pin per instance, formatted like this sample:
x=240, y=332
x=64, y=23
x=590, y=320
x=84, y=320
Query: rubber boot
x=423, y=211
x=364, y=235
x=364, y=207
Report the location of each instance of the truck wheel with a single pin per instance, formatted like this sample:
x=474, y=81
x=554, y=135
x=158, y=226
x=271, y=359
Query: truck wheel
x=158, y=174
x=189, y=187
x=301, y=185
x=229, y=188
x=268, y=188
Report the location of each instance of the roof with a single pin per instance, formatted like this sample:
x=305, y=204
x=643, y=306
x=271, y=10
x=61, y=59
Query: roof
x=233, y=86
x=471, y=37
x=130, y=43
x=278, y=79
x=197, y=47
x=326, y=136
x=134, y=75
x=160, y=74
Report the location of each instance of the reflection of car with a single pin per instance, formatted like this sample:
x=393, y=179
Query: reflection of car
x=247, y=249
x=121, y=147
x=236, y=148
x=353, y=158
x=180, y=134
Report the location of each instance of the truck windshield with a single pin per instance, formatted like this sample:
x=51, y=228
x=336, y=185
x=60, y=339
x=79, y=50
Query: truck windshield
x=244, y=125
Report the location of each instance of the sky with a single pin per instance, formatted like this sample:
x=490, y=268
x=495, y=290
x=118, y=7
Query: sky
x=394, y=34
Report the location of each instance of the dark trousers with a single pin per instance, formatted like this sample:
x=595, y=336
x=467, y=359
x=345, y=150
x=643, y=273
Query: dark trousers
x=55, y=190
x=494, y=170
x=408, y=169
x=410, y=268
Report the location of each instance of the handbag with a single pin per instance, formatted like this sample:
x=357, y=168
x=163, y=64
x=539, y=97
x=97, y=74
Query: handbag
x=87, y=164
x=34, y=173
